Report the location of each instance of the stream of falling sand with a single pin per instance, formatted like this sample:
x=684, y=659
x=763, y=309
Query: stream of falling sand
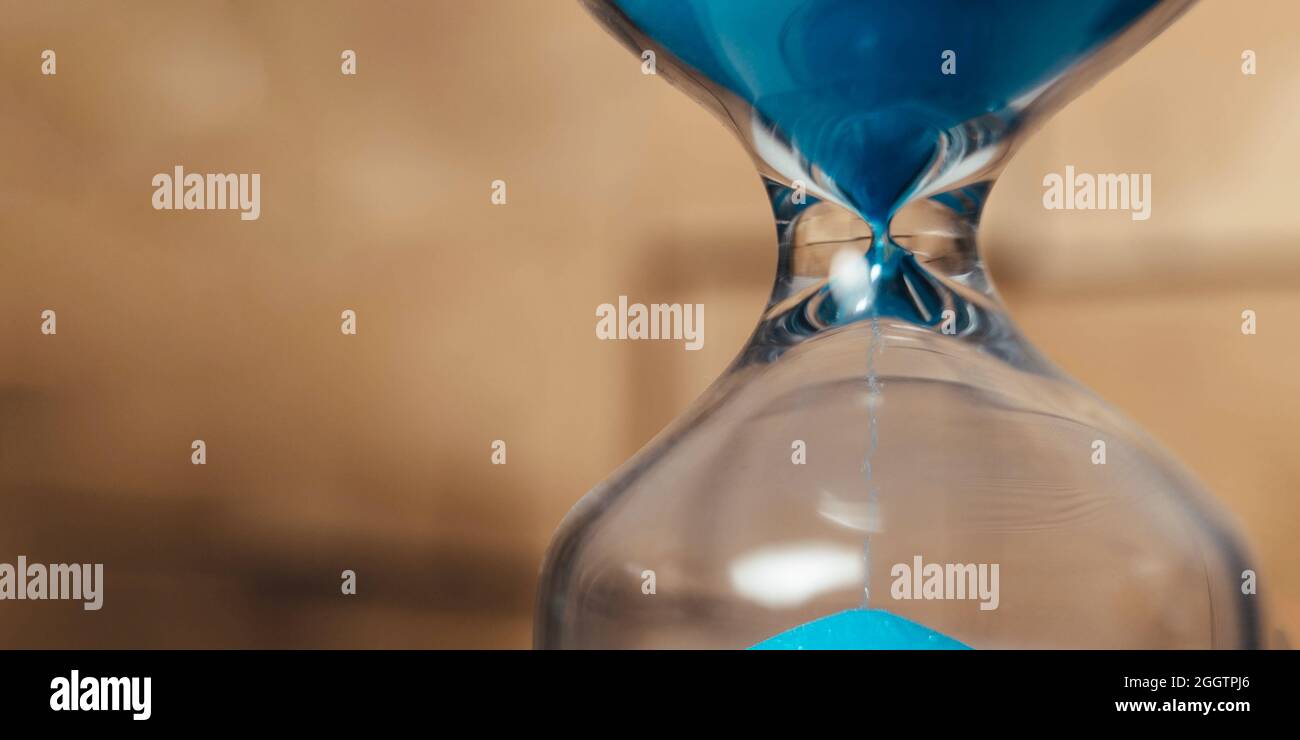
x=874, y=388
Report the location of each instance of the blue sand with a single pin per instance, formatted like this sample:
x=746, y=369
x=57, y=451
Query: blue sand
x=856, y=85
x=860, y=629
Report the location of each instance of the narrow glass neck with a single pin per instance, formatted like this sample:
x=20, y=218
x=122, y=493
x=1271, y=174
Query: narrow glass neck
x=924, y=270
x=925, y=273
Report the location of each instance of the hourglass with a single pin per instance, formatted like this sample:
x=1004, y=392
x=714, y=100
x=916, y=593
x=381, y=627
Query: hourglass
x=888, y=463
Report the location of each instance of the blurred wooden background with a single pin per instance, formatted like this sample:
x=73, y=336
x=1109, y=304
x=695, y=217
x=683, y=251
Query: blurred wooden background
x=371, y=452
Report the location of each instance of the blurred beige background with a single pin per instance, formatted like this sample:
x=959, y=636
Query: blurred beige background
x=328, y=452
